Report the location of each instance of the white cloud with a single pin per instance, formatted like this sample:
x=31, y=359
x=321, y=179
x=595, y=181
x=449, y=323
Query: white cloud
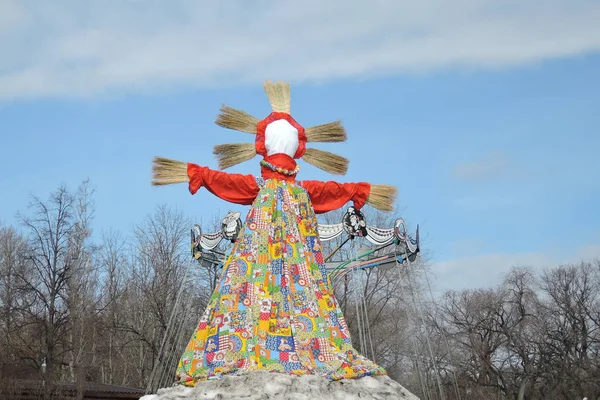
x=484, y=270
x=590, y=252
x=492, y=165
x=70, y=47
x=485, y=202
x=487, y=270
x=466, y=245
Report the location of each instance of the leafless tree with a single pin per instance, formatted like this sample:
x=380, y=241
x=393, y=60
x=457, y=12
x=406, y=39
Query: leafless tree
x=50, y=227
x=112, y=263
x=156, y=296
x=56, y=280
x=12, y=298
x=570, y=320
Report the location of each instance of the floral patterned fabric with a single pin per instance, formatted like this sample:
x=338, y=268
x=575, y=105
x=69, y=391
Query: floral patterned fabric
x=273, y=308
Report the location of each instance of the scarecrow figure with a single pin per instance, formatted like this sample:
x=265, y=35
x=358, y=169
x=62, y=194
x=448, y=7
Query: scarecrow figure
x=274, y=308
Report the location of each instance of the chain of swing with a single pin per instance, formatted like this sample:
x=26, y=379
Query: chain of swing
x=165, y=364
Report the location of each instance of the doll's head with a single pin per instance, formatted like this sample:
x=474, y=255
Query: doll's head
x=280, y=133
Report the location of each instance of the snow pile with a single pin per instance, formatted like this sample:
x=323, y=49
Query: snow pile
x=265, y=385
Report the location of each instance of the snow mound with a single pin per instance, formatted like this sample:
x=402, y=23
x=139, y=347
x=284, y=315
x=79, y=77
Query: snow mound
x=265, y=385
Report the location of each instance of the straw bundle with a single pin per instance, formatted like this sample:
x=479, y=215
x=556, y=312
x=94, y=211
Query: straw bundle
x=382, y=197
x=279, y=95
x=326, y=161
x=166, y=171
x=331, y=132
x=233, y=154
x=238, y=120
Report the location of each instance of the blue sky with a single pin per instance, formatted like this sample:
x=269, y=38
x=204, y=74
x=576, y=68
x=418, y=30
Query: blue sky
x=491, y=137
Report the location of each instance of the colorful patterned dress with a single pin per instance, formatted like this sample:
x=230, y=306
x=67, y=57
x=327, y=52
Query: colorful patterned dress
x=273, y=308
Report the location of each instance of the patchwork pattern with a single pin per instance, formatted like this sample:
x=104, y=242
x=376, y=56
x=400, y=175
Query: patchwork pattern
x=273, y=308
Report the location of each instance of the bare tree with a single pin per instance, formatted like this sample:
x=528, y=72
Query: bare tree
x=52, y=287
x=570, y=321
x=50, y=229
x=12, y=298
x=112, y=261
x=83, y=297
x=153, y=304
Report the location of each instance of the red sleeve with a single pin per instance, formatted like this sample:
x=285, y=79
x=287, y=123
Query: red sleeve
x=234, y=188
x=328, y=196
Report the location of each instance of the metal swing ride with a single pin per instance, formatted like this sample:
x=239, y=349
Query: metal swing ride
x=353, y=223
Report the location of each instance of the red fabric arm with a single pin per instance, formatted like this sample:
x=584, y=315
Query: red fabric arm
x=234, y=188
x=328, y=196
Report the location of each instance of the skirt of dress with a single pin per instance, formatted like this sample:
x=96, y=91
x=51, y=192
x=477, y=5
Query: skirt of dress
x=273, y=308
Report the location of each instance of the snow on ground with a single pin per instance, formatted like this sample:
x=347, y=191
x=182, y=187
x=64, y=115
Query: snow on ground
x=265, y=385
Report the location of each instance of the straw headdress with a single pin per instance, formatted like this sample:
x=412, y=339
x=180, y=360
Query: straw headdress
x=280, y=119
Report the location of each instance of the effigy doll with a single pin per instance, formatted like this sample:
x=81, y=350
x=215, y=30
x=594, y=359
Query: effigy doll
x=273, y=308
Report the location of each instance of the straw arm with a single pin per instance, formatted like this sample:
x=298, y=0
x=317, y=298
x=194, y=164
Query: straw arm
x=382, y=197
x=234, y=188
x=328, y=196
